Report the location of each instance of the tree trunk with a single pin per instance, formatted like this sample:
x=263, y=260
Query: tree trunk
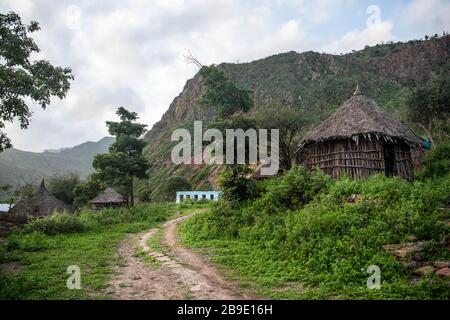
x=131, y=195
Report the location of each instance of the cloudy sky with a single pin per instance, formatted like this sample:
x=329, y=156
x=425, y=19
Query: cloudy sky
x=130, y=52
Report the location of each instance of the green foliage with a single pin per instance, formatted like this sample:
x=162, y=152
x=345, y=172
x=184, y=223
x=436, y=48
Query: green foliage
x=62, y=187
x=436, y=162
x=429, y=102
x=88, y=190
x=64, y=223
x=294, y=189
x=56, y=223
x=43, y=259
x=25, y=191
x=223, y=93
x=21, y=77
x=235, y=183
x=302, y=229
x=291, y=123
x=175, y=184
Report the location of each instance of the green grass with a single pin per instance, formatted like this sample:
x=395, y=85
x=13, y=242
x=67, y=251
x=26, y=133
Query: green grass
x=155, y=243
x=321, y=249
x=44, y=258
x=148, y=259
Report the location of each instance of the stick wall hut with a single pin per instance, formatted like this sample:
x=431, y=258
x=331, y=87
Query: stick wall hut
x=40, y=204
x=359, y=140
x=109, y=198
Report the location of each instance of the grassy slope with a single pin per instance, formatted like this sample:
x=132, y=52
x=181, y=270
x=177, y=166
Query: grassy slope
x=323, y=249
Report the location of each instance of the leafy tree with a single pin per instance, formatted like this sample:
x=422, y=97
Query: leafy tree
x=62, y=187
x=22, y=78
x=437, y=162
x=175, y=184
x=291, y=124
x=236, y=121
x=6, y=194
x=223, y=93
x=88, y=190
x=430, y=104
x=25, y=191
x=235, y=183
x=124, y=162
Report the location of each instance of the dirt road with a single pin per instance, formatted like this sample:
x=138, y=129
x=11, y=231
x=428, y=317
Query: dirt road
x=168, y=271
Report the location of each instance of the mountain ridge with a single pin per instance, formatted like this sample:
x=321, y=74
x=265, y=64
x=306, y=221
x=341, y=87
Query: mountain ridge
x=315, y=83
x=19, y=167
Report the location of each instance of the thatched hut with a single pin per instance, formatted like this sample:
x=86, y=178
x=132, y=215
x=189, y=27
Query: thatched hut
x=40, y=204
x=109, y=198
x=359, y=140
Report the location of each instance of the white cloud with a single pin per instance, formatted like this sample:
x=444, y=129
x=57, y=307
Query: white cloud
x=357, y=39
x=427, y=17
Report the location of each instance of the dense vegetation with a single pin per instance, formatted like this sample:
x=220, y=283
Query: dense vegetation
x=307, y=236
x=42, y=250
x=304, y=88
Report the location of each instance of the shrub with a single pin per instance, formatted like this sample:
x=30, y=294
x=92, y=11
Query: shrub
x=55, y=224
x=175, y=184
x=62, y=187
x=329, y=239
x=437, y=162
x=295, y=188
x=235, y=183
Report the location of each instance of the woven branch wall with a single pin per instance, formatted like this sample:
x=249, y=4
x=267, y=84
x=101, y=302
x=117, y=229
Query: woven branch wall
x=339, y=157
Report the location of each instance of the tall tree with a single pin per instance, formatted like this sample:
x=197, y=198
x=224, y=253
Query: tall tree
x=223, y=93
x=124, y=162
x=87, y=190
x=22, y=78
x=62, y=187
x=291, y=123
x=430, y=104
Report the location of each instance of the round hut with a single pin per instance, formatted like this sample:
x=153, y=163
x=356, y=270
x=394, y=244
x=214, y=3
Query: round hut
x=358, y=140
x=40, y=204
x=109, y=198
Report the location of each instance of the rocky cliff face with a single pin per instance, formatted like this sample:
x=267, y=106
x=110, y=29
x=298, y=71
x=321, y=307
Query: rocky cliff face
x=313, y=82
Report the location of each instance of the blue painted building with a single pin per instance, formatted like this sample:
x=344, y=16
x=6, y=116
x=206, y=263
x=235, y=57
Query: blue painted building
x=4, y=207
x=198, y=195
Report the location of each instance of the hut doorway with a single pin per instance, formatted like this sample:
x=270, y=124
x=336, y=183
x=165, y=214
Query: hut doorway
x=390, y=168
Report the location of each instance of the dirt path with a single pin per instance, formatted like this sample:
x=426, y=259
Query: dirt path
x=171, y=273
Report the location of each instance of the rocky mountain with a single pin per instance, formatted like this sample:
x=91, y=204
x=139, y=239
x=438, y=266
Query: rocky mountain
x=19, y=167
x=313, y=82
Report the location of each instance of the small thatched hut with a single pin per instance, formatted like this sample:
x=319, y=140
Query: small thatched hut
x=359, y=140
x=109, y=198
x=40, y=204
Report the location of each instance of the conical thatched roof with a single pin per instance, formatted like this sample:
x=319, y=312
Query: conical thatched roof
x=360, y=117
x=40, y=204
x=108, y=196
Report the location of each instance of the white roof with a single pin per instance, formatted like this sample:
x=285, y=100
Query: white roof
x=4, y=207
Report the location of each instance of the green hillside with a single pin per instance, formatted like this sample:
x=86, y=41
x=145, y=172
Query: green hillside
x=19, y=167
x=314, y=83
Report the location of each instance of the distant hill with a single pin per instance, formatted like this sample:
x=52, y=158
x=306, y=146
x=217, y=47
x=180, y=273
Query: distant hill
x=19, y=167
x=315, y=83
